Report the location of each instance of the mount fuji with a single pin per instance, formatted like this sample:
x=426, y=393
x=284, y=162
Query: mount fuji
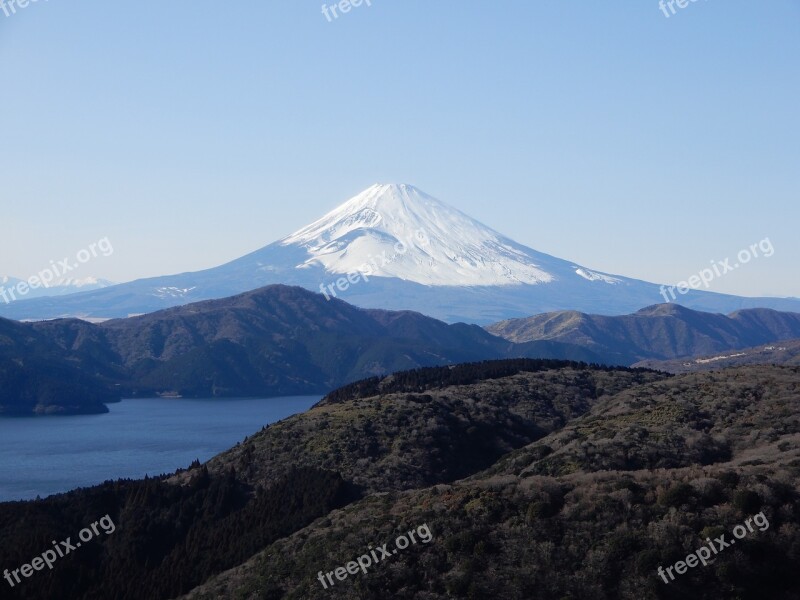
x=395, y=247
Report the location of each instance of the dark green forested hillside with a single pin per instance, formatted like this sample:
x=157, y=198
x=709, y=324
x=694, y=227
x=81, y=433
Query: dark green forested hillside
x=37, y=378
x=167, y=538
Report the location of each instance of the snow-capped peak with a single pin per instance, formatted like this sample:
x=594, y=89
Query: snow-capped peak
x=403, y=232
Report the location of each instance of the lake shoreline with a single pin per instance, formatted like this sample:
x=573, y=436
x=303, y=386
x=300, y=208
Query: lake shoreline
x=139, y=437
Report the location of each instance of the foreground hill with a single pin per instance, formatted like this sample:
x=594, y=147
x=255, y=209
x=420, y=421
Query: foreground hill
x=659, y=332
x=426, y=426
x=274, y=341
x=536, y=479
x=591, y=510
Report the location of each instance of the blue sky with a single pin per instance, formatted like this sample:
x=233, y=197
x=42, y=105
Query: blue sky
x=190, y=133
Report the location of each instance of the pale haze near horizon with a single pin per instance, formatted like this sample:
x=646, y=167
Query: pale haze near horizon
x=609, y=135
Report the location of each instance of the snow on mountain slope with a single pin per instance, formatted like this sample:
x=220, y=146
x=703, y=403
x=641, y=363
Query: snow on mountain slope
x=402, y=232
x=595, y=276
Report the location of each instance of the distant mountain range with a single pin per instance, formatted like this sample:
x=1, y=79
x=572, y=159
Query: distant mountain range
x=660, y=332
x=783, y=353
x=283, y=340
x=395, y=247
x=274, y=341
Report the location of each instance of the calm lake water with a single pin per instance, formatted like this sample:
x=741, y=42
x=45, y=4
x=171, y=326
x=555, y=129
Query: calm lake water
x=48, y=455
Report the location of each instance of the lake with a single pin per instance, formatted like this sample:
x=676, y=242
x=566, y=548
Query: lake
x=48, y=455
